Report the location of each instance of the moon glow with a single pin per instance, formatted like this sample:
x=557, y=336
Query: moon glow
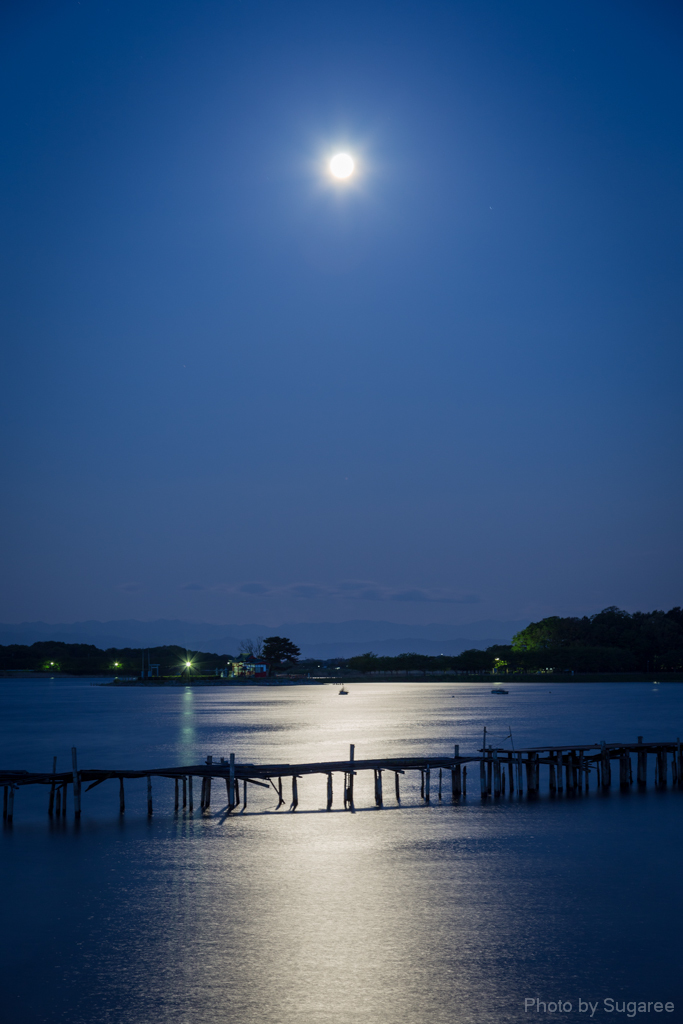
x=342, y=165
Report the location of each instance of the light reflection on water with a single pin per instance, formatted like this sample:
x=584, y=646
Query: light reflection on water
x=437, y=914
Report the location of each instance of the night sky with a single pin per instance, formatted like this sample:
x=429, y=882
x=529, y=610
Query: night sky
x=445, y=390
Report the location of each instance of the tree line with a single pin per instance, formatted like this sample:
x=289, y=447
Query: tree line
x=612, y=640
x=86, y=659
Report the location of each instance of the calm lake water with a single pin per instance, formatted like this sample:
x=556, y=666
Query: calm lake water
x=417, y=915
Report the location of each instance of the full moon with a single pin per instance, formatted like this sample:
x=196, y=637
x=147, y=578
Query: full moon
x=342, y=165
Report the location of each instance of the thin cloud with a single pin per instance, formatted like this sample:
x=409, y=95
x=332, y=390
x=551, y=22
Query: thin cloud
x=347, y=590
x=254, y=588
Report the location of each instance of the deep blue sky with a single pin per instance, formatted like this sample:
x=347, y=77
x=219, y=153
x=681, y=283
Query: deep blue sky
x=234, y=392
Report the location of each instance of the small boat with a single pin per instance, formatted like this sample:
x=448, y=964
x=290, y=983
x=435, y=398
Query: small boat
x=499, y=689
x=343, y=692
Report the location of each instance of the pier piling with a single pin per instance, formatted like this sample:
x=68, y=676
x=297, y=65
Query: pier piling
x=378, y=787
x=456, y=774
x=76, y=783
x=51, y=803
x=641, y=768
x=661, y=769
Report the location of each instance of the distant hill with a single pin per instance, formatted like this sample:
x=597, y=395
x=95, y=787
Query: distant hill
x=316, y=639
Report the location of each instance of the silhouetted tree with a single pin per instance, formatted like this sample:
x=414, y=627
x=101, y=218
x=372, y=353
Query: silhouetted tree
x=279, y=649
x=253, y=647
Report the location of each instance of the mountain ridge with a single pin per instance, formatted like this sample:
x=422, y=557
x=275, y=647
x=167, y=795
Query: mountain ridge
x=316, y=640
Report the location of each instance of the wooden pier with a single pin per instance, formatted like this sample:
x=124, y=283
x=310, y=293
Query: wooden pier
x=501, y=771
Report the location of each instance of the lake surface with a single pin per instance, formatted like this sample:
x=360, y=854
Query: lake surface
x=418, y=915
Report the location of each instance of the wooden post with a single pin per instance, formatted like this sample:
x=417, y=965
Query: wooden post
x=511, y=774
x=329, y=791
x=497, y=774
x=661, y=768
x=295, y=794
x=489, y=767
x=456, y=773
x=244, y=794
x=422, y=784
x=4, y=803
x=184, y=791
x=439, y=783
x=482, y=777
x=428, y=775
x=378, y=786
x=51, y=803
x=175, y=806
x=231, y=795
x=529, y=774
x=202, y=797
x=641, y=768
x=569, y=772
x=76, y=784
x=674, y=770
x=558, y=766
x=624, y=765
x=207, y=797
x=397, y=789
x=280, y=798
x=149, y=796
x=502, y=781
x=552, y=785
x=520, y=776
x=10, y=804
x=58, y=801
x=352, y=757
x=122, y=796
x=606, y=767
x=64, y=793
x=189, y=793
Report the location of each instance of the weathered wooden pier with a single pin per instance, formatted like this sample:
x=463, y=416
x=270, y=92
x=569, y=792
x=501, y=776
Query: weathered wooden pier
x=501, y=771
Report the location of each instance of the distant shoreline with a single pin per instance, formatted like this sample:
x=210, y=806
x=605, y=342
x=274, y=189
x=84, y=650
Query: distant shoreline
x=501, y=680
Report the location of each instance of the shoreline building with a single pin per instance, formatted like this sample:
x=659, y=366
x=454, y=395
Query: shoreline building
x=247, y=667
